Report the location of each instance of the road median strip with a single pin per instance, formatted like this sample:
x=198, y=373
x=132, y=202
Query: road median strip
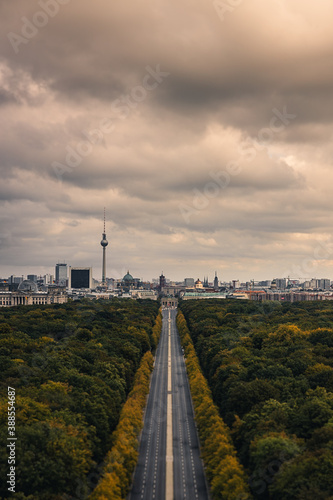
x=169, y=449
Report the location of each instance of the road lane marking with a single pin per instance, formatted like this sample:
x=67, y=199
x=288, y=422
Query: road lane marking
x=149, y=420
x=169, y=447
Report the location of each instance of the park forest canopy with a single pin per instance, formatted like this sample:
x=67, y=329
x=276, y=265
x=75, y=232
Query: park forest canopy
x=72, y=366
x=270, y=370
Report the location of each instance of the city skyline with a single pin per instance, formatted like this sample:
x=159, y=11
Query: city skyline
x=206, y=278
x=206, y=134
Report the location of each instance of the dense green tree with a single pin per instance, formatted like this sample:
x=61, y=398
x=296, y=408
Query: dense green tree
x=309, y=476
x=73, y=366
x=270, y=370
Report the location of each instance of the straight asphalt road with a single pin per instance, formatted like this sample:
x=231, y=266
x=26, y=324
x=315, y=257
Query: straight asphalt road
x=169, y=465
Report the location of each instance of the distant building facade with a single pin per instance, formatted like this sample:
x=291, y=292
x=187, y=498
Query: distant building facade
x=15, y=280
x=80, y=277
x=28, y=295
x=61, y=274
x=290, y=296
x=281, y=283
x=324, y=284
x=169, y=302
x=202, y=295
x=145, y=294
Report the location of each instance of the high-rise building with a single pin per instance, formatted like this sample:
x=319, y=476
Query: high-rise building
x=324, y=284
x=32, y=277
x=80, y=277
x=104, y=244
x=314, y=283
x=47, y=279
x=15, y=280
x=61, y=273
x=281, y=283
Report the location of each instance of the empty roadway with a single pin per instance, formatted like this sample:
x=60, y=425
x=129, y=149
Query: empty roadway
x=184, y=469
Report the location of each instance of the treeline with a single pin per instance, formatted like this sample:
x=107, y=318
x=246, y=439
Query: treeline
x=73, y=366
x=224, y=472
x=270, y=370
x=122, y=458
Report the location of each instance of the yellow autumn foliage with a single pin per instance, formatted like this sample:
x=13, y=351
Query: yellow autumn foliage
x=317, y=368
x=122, y=458
x=225, y=474
x=286, y=334
x=157, y=328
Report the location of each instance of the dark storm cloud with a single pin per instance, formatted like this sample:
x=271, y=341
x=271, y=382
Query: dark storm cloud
x=226, y=82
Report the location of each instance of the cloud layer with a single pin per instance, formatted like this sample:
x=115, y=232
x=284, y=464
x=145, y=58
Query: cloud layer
x=207, y=136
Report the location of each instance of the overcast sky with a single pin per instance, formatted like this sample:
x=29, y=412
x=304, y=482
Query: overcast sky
x=204, y=128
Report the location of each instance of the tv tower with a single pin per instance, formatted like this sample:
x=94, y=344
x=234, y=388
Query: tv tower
x=104, y=244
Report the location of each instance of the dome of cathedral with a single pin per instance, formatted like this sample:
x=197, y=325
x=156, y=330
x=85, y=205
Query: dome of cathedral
x=128, y=277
